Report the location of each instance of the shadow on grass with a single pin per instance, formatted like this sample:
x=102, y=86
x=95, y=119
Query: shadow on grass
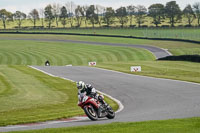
x=191, y=58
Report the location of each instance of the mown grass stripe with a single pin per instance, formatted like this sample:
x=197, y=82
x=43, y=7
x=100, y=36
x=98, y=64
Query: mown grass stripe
x=7, y=58
x=2, y=58
x=40, y=57
x=26, y=60
x=31, y=54
x=28, y=105
x=19, y=58
x=123, y=56
x=6, y=87
x=105, y=55
x=111, y=55
x=44, y=56
x=13, y=57
x=66, y=56
x=87, y=56
x=129, y=54
x=54, y=57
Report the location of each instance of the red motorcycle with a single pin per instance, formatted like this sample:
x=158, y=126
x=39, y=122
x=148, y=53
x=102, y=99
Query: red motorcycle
x=95, y=109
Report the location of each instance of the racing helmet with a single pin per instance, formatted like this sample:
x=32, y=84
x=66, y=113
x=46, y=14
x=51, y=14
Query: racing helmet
x=80, y=85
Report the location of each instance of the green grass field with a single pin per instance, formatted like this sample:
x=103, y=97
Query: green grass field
x=191, y=125
x=27, y=95
x=24, y=92
x=178, y=70
x=176, y=33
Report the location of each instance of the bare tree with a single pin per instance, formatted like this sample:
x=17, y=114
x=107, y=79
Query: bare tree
x=56, y=12
x=63, y=16
x=79, y=13
x=131, y=11
x=34, y=16
x=100, y=12
x=71, y=6
x=140, y=14
x=5, y=16
x=121, y=14
x=91, y=15
x=189, y=14
x=196, y=8
x=109, y=16
x=85, y=8
x=49, y=17
x=42, y=16
x=19, y=17
x=157, y=11
x=173, y=12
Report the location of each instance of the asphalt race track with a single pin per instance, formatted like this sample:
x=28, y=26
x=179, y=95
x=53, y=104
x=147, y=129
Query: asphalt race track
x=144, y=98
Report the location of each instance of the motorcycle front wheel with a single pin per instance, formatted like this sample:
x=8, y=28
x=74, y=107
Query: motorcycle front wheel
x=111, y=113
x=90, y=112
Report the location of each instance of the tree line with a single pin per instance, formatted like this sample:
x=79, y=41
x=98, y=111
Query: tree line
x=76, y=15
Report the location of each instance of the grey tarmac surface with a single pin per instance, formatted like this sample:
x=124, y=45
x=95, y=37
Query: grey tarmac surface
x=144, y=98
x=158, y=52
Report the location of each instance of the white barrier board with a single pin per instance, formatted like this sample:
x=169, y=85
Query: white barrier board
x=69, y=65
x=136, y=69
x=92, y=63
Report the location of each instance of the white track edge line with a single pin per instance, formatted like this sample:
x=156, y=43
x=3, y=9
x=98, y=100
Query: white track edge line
x=167, y=50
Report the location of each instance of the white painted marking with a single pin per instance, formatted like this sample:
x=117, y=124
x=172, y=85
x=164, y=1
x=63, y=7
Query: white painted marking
x=166, y=50
x=13, y=127
x=49, y=73
x=73, y=119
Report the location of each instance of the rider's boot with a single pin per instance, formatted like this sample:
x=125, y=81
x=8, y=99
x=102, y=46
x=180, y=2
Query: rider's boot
x=105, y=105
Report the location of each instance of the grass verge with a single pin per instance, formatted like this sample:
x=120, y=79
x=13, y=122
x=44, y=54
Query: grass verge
x=178, y=70
x=191, y=125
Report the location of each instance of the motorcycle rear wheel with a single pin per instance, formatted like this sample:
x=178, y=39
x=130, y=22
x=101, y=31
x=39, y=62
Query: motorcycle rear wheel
x=90, y=112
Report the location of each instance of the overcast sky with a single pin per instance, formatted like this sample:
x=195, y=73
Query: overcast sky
x=27, y=5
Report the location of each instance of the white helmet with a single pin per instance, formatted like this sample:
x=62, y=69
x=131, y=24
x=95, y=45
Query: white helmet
x=80, y=85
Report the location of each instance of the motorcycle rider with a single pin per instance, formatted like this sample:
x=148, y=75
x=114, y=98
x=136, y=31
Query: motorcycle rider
x=91, y=92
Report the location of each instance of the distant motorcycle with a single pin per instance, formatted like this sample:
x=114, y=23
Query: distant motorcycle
x=47, y=63
x=95, y=109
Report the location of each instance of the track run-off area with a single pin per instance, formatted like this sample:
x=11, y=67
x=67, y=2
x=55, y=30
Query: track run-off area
x=143, y=98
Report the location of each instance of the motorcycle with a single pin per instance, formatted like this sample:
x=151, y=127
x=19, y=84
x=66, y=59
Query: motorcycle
x=94, y=109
